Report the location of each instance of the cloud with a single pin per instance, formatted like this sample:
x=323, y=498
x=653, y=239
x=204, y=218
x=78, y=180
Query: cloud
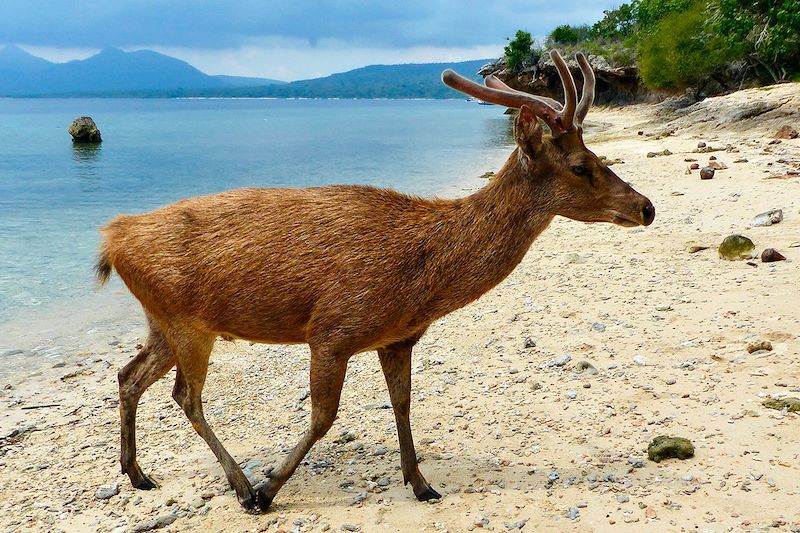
x=230, y=24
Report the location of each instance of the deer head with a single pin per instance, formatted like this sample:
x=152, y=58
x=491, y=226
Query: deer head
x=581, y=186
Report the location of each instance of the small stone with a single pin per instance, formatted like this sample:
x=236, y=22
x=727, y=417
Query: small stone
x=350, y=527
x=197, y=503
x=360, y=497
x=572, y=394
x=559, y=361
x=573, y=513
x=771, y=255
x=106, y=491
x=529, y=343
x=792, y=405
x=664, y=447
x=636, y=462
x=640, y=360
x=597, y=326
x=623, y=498
x=786, y=132
x=155, y=523
x=694, y=166
x=767, y=218
x=650, y=513
x=736, y=247
x=664, y=307
x=585, y=367
x=694, y=247
x=760, y=345
x=701, y=144
x=706, y=173
x=553, y=475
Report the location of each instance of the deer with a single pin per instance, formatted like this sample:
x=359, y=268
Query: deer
x=346, y=269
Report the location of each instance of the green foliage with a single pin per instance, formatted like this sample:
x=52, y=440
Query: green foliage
x=679, y=51
x=566, y=34
x=518, y=49
x=768, y=30
x=616, y=23
x=650, y=13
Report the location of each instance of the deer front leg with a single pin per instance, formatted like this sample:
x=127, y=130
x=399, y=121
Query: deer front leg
x=396, y=364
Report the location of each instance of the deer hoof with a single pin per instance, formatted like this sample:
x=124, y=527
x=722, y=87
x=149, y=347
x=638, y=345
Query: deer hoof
x=145, y=483
x=428, y=494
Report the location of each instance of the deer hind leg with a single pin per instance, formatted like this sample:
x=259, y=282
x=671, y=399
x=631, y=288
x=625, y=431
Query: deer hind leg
x=153, y=361
x=327, y=377
x=396, y=364
x=192, y=350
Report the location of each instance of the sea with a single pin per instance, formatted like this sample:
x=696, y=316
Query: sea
x=54, y=195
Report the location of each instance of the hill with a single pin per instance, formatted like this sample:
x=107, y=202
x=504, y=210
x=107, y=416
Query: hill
x=111, y=71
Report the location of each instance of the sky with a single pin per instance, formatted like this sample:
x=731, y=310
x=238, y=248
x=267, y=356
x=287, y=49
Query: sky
x=286, y=39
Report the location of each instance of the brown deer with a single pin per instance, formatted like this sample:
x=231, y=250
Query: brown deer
x=346, y=269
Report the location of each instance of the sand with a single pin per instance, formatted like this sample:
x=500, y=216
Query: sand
x=511, y=439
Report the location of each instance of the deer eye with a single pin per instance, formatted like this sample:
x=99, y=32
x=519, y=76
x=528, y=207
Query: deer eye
x=579, y=170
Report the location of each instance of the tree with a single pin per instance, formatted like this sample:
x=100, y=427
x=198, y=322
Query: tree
x=518, y=49
x=566, y=34
x=616, y=23
x=769, y=30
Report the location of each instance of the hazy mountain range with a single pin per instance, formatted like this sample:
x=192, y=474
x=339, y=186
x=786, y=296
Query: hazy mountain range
x=144, y=73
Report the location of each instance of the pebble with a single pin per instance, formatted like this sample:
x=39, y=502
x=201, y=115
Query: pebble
x=106, y=491
x=360, y=497
x=529, y=343
x=759, y=345
x=572, y=394
x=559, y=361
x=706, y=173
x=585, y=366
x=155, y=523
x=597, y=326
x=623, y=498
x=767, y=218
x=350, y=527
x=640, y=360
x=573, y=513
x=771, y=255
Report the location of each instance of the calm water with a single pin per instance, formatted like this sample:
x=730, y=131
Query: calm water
x=53, y=196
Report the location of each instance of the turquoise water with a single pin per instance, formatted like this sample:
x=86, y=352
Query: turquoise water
x=54, y=196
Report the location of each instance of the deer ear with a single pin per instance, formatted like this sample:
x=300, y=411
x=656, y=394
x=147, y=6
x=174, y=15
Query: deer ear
x=527, y=131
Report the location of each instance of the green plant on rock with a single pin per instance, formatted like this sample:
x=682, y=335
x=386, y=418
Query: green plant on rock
x=518, y=49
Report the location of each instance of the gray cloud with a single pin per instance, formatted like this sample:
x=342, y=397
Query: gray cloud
x=232, y=23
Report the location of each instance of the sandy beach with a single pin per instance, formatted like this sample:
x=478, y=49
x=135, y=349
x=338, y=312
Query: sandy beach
x=508, y=428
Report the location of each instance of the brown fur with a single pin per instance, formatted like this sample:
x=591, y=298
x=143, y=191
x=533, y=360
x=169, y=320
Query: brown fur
x=346, y=269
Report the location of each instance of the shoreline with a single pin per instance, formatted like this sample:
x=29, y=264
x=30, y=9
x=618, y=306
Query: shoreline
x=512, y=438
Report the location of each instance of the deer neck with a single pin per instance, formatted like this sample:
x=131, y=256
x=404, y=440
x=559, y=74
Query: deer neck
x=495, y=227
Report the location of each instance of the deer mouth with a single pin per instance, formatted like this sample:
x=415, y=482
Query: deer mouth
x=622, y=220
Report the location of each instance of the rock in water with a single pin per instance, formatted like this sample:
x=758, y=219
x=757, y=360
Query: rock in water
x=770, y=255
x=736, y=247
x=706, y=173
x=768, y=218
x=84, y=130
x=664, y=447
x=790, y=404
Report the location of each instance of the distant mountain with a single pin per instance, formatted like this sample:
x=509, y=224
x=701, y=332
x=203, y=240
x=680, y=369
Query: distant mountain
x=110, y=72
x=413, y=80
x=145, y=73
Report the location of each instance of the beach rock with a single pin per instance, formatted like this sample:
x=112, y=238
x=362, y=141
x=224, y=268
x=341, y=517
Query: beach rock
x=716, y=165
x=694, y=247
x=657, y=154
x=790, y=404
x=529, y=343
x=786, y=132
x=84, y=130
x=155, y=523
x=706, y=173
x=760, y=345
x=664, y=447
x=767, y=218
x=701, y=144
x=736, y=247
x=694, y=166
x=106, y=491
x=770, y=255
x=585, y=367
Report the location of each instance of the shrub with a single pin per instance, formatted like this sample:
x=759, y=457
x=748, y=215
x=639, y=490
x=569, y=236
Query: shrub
x=518, y=49
x=566, y=34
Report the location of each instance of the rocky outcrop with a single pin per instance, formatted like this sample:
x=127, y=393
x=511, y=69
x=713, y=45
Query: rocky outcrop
x=538, y=75
x=84, y=131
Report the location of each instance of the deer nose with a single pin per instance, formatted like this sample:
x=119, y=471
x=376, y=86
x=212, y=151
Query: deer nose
x=648, y=214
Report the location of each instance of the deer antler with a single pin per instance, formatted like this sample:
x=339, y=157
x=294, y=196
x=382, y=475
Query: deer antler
x=560, y=118
x=587, y=95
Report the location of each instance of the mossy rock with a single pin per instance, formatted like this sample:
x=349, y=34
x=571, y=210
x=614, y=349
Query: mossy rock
x=84, y=131
x=790, y=404
x=664, y=447
x=736, y=247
